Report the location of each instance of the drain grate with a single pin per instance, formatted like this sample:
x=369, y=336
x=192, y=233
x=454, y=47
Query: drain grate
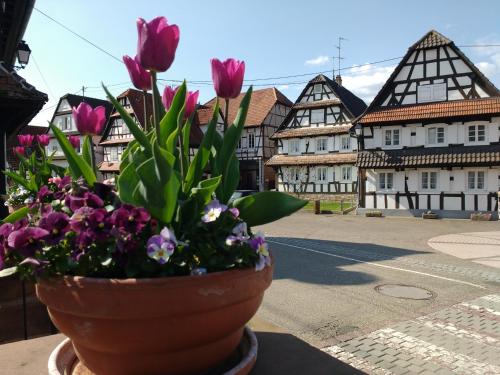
x=404, y=291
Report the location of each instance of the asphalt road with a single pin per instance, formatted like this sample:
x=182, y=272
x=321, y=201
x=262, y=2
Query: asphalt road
x=328, y=266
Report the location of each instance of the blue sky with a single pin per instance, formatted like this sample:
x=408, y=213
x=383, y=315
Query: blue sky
x=275, y=38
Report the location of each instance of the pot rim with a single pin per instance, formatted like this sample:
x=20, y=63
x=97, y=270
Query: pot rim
x=173, y=281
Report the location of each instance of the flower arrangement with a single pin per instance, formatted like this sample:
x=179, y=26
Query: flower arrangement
x=164, y=218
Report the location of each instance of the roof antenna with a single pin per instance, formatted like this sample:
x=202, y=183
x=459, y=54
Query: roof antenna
x=338, y=78
x=83, y=93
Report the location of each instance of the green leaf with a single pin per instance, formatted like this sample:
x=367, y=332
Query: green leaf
x=267, y=206
x=164, y=162
x=200, y=160
x=169, y=122
x=231, y=179
x=134, y=128
x=16, y=215
x=160, y=110
x=87, y=150
x=127, y=183
x=230, y=142
x=77, y=165
x=205, y=189
x=186, y=132
x=8, y=271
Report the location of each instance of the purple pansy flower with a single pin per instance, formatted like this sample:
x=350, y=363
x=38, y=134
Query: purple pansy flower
x=27, y=240
x=213, y=211
x=5, y=230
x=239, y=235
x=259, y=244
x=131, y=219
x=161, y=246
x=234, y=211
x=57, y=224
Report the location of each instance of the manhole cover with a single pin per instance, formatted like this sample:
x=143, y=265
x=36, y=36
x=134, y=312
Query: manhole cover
x=404, y=291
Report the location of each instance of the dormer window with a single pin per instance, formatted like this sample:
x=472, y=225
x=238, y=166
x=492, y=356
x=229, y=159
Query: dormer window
x=431, y=93
x=318, y=90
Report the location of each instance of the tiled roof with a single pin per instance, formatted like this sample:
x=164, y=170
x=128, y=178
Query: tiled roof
x=107, y=166
x=310, y=132
x=431, y=157
x=432, y=39
x=324, y=159
x=261, y=103
x=441, y=110
x=318, y=104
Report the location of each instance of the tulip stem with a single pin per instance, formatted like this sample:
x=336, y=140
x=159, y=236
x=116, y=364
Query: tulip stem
x=144, y=99
x=155, y=119
x=226, y=114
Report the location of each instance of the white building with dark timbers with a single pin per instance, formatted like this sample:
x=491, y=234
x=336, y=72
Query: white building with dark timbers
x=430, y=138
x=316, y=154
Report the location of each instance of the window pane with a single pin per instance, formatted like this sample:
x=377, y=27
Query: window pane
x=381, y=181
x=472, y=133
x=433, y=180
x=480, y=180
x=431, y=135
x=471, y=183
x=389, y=180
x=440, y=135
x=395, y=137
x=481, y=133
x=388, y=136
x=346, y=143
x=317, y=116
x=425, y=180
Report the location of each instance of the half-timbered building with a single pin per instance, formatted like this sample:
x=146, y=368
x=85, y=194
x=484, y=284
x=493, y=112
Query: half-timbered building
x=267, y=110
x=316, y=154
x=63, y=119
x=430, y=137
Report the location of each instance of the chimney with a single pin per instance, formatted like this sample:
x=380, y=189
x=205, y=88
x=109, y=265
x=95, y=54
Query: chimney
x=338, y=79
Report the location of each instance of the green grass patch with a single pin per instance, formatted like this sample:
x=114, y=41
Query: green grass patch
x=328, y=206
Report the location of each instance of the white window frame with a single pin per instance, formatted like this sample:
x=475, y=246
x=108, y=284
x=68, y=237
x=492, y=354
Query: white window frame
x=426, y=180
x=346, y=176
x=383, y=181
x=67, y=123
x=392, y=137
x=314, y=114
x=317, y=92
x=251, y=140
x=291, y=143
x=436, y=92
x=294, y=174
x=476, y=129
x=322, y=175
x=476, y=174
x=323, y=142
x=348, y=141
x=435, y=141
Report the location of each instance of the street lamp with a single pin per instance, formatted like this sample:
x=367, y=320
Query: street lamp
x=23, y=53
x=358, y=129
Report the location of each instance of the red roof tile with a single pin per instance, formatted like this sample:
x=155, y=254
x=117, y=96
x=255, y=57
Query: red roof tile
x=441, y=110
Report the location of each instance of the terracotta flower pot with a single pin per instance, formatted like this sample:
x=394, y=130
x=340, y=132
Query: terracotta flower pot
x=175, y=325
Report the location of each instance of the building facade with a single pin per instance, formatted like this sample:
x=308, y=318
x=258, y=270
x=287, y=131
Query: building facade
x=63, y=119
x=431, y=136
x=316, y=154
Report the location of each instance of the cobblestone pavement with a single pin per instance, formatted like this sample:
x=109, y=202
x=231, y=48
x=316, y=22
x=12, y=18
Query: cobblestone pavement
x=461, y=339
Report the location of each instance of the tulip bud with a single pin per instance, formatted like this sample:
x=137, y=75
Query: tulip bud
x=156, y=44
x=139, y=76
x=191, y=99
x=75, y=141
x=89, y=121
x=43, y=140
x=19, y=150
x=227, y=77
x=26, y=140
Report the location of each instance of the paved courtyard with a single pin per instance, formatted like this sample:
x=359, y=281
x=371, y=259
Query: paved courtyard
x=330, y=271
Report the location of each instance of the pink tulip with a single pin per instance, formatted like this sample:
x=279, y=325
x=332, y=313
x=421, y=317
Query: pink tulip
x=89, y=121
x=43, y=140
x=191, y=99
x=75, y=141
x=26, y=140
x=140, y=77
x=227, y=77
x=19, y=150
x=156, y=44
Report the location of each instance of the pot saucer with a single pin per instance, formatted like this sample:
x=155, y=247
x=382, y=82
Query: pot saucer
x=63, y=360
